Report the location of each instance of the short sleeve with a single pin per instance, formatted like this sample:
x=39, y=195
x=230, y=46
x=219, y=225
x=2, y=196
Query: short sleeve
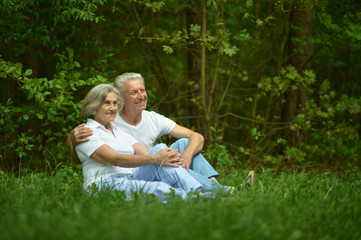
x=165, y=125
x=89, y=147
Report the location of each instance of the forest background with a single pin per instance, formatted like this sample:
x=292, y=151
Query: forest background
x=268, y=83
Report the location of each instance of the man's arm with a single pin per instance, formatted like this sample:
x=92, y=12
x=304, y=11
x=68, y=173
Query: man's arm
x=78, y=135
x=71, y=148
x=195, y=144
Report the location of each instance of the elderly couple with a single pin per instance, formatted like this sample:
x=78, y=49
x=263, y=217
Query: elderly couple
x=117, y=152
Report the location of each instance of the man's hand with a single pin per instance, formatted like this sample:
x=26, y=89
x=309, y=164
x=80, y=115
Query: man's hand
x=195, y=144
x=80, y=134
x=186, y=161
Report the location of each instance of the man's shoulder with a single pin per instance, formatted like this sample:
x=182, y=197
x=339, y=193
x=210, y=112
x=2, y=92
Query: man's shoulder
x=151, y=113
x=160, y=121
x=153, y=116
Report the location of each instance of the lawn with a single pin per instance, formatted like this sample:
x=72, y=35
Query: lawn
x=294, y=205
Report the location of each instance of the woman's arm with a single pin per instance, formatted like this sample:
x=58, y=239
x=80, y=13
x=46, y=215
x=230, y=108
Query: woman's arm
x=106, y=155
x=139, y=149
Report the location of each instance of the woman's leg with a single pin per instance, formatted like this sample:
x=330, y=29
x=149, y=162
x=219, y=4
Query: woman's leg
x=129, y=186
x=175, y=177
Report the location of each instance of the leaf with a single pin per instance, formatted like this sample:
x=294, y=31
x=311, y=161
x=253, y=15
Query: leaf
x=230, y=51
x=40, y=116
x=28, y=72
x=10, y=70
x=29, y=146
x=167, y=49
x=3, y=75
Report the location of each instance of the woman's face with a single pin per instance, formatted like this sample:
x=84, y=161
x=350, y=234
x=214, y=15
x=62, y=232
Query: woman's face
x=108, y=110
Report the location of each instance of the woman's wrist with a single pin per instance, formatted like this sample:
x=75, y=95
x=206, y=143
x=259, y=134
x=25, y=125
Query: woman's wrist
x=152, y=158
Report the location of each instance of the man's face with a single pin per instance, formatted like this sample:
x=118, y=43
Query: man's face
x=135, y=96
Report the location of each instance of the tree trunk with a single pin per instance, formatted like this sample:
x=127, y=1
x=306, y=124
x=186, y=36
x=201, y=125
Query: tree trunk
x=199, y=73
x=299, y=55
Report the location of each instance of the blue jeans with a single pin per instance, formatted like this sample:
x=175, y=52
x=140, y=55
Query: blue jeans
x=199, y=169
x=199, y=164
x=176, y=177
x=154, y=179
x=128, y=185
x=160, y=181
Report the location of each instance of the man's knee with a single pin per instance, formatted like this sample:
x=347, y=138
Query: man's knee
x=180, y=144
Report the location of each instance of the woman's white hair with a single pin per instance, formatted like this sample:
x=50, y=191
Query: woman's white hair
x=96, y=97
x=122, y=79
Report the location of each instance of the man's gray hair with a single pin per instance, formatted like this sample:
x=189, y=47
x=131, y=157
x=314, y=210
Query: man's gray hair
x=122, y=79
x=96, y=97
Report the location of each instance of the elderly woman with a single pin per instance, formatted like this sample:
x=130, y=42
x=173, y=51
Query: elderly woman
x=113, y=159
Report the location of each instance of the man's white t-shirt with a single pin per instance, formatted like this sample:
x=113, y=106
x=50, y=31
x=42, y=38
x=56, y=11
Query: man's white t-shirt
x=151, y=127
x=95, y=171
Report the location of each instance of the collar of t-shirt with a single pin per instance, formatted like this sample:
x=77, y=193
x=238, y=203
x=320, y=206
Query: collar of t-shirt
x=94, y=124
x=123, y=122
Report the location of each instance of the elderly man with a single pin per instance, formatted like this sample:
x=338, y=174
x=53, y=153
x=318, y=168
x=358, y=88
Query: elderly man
x=146, y=127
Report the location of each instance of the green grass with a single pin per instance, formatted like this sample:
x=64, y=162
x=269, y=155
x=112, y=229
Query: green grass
x=283, y=206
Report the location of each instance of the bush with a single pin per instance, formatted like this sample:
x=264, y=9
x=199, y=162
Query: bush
x=52, y=104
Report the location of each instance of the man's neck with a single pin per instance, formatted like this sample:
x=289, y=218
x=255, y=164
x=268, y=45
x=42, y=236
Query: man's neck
x=131, y=118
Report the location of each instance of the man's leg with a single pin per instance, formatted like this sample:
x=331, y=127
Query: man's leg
x=199, y=164
x=175, y=177
x=208, y=184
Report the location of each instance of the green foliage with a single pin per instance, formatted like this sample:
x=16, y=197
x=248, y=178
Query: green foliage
x=334, y=118
x=219, y=155
x=289, y=79
x=54, y=51
x=51, y=103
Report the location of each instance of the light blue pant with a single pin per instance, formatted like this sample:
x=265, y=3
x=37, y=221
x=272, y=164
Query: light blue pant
x=154, y=179
x=200, y=168
x=199, y=164
x=160, y=181
x=185, y=176
x=130, y=186
x=175, y=177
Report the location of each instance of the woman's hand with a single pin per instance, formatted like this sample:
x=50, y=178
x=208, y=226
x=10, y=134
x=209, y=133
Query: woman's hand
x=168, y=157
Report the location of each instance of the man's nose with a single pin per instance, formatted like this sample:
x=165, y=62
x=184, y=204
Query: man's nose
x=140, y=94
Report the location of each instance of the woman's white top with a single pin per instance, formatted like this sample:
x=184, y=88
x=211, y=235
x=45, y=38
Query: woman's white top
x=95, y=171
